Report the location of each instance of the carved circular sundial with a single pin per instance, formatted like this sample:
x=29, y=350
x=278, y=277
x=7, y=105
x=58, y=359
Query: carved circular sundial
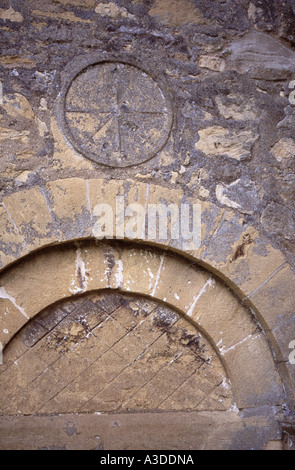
x=116, y=114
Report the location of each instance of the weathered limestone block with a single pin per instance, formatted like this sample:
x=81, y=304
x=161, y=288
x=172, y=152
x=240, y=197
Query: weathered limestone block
x=11, y=318
x=162, y=196
x=105, y=193
x=170, y=430
x=284, y=149
x=175, y=13
x=137, y=270
x=31, y=214
x=95, y=266
x=220, y=141
x=282, y=338
x=237, y=107
x=49, y=276
x=212, y=62
x=64, y=154
x=241, y=194
x=129, y=211
x=211, y=217
x=274, y=299
x=66, y=16
x=11, y=15
x=10, y=61
x=262, y=56
x=287, y=372
x=113, y=11
x=181, y=290
x=239, y=253
x=218, y=311
x=17, y=106
x=275, y=303
x=14, y=135
x=126, y=209
x=250, y=268
x=135, y=192
x=78, y=3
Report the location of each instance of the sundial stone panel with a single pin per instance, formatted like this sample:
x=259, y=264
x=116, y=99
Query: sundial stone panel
x=116, y=114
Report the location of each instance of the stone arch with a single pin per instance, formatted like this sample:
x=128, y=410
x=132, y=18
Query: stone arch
x=108, y=351
x=63, y=211
x=66, y=271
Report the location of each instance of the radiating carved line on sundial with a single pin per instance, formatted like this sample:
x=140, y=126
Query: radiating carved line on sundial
x=87, y=111
x=98, y=132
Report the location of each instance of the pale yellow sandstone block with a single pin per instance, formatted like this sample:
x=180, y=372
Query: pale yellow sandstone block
x=30, y=212
x=42, y=280
x=256, y=381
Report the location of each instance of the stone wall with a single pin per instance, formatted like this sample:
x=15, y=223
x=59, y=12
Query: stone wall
x=156, y=102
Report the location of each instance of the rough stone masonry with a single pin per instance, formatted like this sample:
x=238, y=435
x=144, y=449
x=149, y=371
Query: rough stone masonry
x=195, y=97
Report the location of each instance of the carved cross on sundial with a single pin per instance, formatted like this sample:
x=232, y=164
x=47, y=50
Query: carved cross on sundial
x=116, y=114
